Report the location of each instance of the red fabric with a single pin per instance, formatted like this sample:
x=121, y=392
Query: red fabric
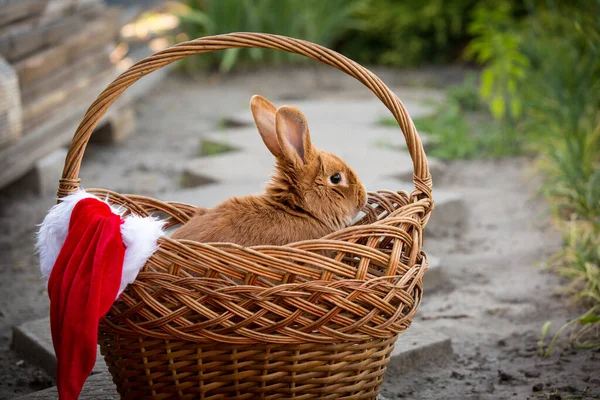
x=82, y=287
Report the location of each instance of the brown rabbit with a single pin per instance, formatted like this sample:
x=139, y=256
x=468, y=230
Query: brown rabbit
x=311, y=194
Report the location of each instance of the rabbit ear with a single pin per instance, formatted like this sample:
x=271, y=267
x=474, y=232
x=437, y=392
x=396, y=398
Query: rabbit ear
x=292, y=131
x=264, y=118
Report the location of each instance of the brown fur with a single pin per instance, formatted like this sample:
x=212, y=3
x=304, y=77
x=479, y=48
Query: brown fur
x=300, y=202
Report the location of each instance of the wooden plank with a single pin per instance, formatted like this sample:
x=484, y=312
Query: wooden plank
x=90, y=39
x=16, y=160
x=86, y=3
x=42, y=179
x=42, y=10
x=89, y=65
x=75, y=91
x=14, y=10
x=18, y=40
x=38, y=65
x=21, y=39
x=117, y=128
x=59, y=8
x=10, y=105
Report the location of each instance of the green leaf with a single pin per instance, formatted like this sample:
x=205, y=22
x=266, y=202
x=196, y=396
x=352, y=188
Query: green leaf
x=196, y=17
x=487, y=82
x=229, y=58
x=497, y=107
x=256, y=54
x=516, y=108
x=545, y=331
x=589, y=319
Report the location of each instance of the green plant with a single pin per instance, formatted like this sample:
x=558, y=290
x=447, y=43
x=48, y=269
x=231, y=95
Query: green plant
x=319, y=21
x=579, y=260
x=466, y=94
x=451, y=134
x=497, y=45
x=459, y=129
x=562, y=118
x=211, y=148
x=588, y=320
x=405, y=33
x=541, y=80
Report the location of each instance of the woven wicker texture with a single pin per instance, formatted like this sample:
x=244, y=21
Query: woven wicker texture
x=312, y=320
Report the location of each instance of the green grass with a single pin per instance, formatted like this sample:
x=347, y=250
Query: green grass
x=322, y=22
x=461, y=128
x=209, y=148
x=456, y=134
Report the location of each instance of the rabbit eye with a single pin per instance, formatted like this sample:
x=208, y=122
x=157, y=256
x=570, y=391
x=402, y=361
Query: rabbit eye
x=335, y=178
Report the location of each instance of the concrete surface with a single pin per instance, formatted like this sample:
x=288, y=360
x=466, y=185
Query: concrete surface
x=44, y=176
x=436, y=277
x=416, y=348
x=336, y=111
x=33, y=341
x=97, y=387
x=448, y=216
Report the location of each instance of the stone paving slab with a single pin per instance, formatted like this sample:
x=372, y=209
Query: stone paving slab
x=418, y=347
x=415, y=348
x=379, y=155
x=242, y=167
x=436, y=278
x=33, y=341
x=327, y=137
x=336, y=111
x=449, y=214
x=211, y=195
x=97, y=387
x=45, y=173
x=234, y=167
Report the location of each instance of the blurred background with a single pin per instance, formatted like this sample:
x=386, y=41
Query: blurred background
x=515, y=81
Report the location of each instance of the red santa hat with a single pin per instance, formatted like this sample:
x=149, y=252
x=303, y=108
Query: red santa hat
x=88, y=253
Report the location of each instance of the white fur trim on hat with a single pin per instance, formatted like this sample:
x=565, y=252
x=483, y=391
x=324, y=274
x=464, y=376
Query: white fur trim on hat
x=139, y=234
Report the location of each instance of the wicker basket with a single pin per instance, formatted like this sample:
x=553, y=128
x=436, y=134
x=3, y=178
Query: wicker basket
x=312, y=320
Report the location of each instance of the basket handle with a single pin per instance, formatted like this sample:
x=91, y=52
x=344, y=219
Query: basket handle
x=70, y=177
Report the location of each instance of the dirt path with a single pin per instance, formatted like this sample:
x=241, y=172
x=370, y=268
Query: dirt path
x=500, y=298
x=505, y=299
